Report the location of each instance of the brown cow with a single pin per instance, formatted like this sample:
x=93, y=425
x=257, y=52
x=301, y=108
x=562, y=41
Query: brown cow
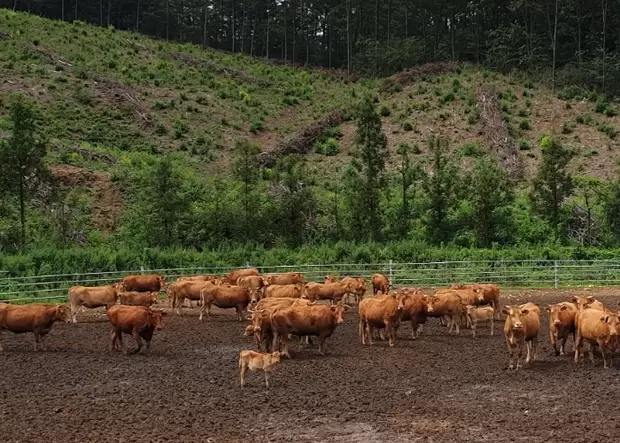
x=587, y=302
x=139, y=321
x=477, y=314
x=522, y=327
x=187, y=290
x=224, y=297
x=261, y=318
x=210, y=278
x=380, y=283
x=256, y=361
x=316, y=320
x=35, y=318
x=380, y=312
x=92, y=297
x=331, y=279
x=414, y=310
x=232, y=277
x=144, y=283
x=289, y=278
x=600, y=329
x=358, y=287
x=139, y=298
x=254, y=284
x=445, y=303
x=561, y=324
x=469, y=297
x=284, y=291
x=490, y=292
x=328, y=291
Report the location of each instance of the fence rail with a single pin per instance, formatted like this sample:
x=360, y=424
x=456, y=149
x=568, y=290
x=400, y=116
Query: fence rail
x=516, y=273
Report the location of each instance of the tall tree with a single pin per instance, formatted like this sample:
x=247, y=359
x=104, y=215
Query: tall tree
x=21, y=157
x=553, y=184
x=369, y=168
x=246, y=169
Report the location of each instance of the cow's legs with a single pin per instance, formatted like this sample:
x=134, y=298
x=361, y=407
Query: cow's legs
x=390, y=333
x=1, y=348
x=242, y=369
x=37, y=338
x=73, y=308
x=528, y=345
x=578, y=348
x=362, y=331
x=511, y=353
x=519, y=355
x=492, y=324
x=322, y=345
x=563, y=346
x=42, y=341
x=369, y=332
x=136, y=336
x=266, y=379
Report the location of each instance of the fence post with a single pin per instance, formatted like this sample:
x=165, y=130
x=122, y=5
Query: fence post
x=555, y=272
x=391, y=273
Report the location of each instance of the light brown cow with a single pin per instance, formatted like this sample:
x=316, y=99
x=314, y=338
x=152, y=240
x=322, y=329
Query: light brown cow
x=414, y=309
x=327, y=291
x=138, y=298
x=490, y=292
x=477, y=314
x=288, y=278
x=254, y=284
x=224, y=297
x=187, y=290
x=234, y=275
x=144, y=283
x=357, y=285
x=380, y=283
x=261, y=318
x=331, y=279
x=561, y=324
x=35, y=318
x=316, y=320
x=256, y=361
x=588, y=302
x=139, y=321
x=522, y=327
x=445, y=304
x=284, y=291
x=210, y=278
x=598, y=328
x=92, y=297
x=469, y=297
x=380, y=312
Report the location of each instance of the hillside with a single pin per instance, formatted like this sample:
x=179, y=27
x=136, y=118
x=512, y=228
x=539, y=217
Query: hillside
x=115, y=100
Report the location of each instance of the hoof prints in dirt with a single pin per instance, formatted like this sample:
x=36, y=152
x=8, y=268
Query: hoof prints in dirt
x=437, y=388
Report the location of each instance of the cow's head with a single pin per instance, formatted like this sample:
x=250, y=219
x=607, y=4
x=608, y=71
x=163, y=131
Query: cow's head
x=613, y=322
x=162, y=280
x=479, y=293
x=430, y=302
x=154, y=296
x=555, y=311
x=274, y=357
x=582, y=302
x=256, y=319
x=62, y=313
x=119, y=287
x=339, y=310
x=249, y=331
x=157, y=318
x=515, y=316
x=400, y=298
x=254, y=295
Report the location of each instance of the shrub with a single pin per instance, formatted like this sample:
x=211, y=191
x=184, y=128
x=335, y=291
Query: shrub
x=83, y=96
x=524, y=145
x=524, y=113
x=525, y=125
x=584, y=119
x=444, y=116
x=384, y=111
x=474, y=116
x=601, y=107
x=568, y=127
x=611, y=112
x=471, y=149
x=528, y=103
x=416, y=149
x=422, y=89
x=608, y=129
x=333, y=132
x=572, y=93
x=256, y=127
x=161, y=129
x=180, y=128
x=407, y=126
x=447, y=98
x=327, y=147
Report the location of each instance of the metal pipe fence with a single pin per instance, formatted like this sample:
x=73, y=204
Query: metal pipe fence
x=506, y=273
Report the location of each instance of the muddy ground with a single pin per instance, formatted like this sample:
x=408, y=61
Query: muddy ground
x=437, y=388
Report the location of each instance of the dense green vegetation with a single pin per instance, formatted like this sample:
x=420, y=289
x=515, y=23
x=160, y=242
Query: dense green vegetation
x=152, y=148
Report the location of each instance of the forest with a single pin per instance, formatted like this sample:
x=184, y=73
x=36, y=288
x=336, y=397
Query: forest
x=179, y=188
x=571, y=42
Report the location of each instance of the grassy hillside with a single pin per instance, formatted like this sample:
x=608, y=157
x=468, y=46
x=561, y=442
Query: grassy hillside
x=114, y=101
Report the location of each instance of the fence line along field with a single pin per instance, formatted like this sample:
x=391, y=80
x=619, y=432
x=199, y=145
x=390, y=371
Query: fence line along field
x=420, y=380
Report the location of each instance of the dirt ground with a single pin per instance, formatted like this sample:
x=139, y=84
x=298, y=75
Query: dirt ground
x=437, y=388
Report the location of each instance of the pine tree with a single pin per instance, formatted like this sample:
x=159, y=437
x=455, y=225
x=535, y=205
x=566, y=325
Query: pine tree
x=21, y=158
x=553, y=185
x=366, y=175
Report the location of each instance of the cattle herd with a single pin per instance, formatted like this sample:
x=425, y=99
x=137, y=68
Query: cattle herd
x=283, y=306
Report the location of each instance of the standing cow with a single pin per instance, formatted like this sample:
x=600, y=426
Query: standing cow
x=92, y=297
x=562, y=317
x=380, y=283
x=521, y=329
x=144, y=283
x=380, y=312
x=138, y=321
x=600, y=329
x=35, y=318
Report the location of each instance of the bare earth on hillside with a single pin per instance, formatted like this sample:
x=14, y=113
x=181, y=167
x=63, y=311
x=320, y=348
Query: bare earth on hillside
x=437, y=388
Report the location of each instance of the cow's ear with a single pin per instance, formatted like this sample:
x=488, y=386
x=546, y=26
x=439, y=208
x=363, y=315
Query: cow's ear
x=347, y=307
x=333, y=307
x=506, y=311
x=575, y=299
x=590, y=298
x=525, y=311
x=564, y=308
x=548, y=309
x=605, y=318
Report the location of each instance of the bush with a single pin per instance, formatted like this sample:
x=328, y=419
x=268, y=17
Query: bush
x=568, y=127
x=407, y=126
x=83, y=96
x=601, y=107
x=161, y=129
x=572, y=93
x=327, y=147
x=524, y=145
x=611, y=112
x=524, y=113
x=256, y=127
x=474, y=116
x=180, y=128
x=525, y=125
x=416, y=149
x=447, y=98
x=384, y=111
x=528, y=103
x=608, y=129
x=584, y=119
x=471, y=149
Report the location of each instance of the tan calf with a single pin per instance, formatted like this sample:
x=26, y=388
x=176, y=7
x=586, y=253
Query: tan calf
x=522, y=326
x=476, y=314
x=256, y=361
